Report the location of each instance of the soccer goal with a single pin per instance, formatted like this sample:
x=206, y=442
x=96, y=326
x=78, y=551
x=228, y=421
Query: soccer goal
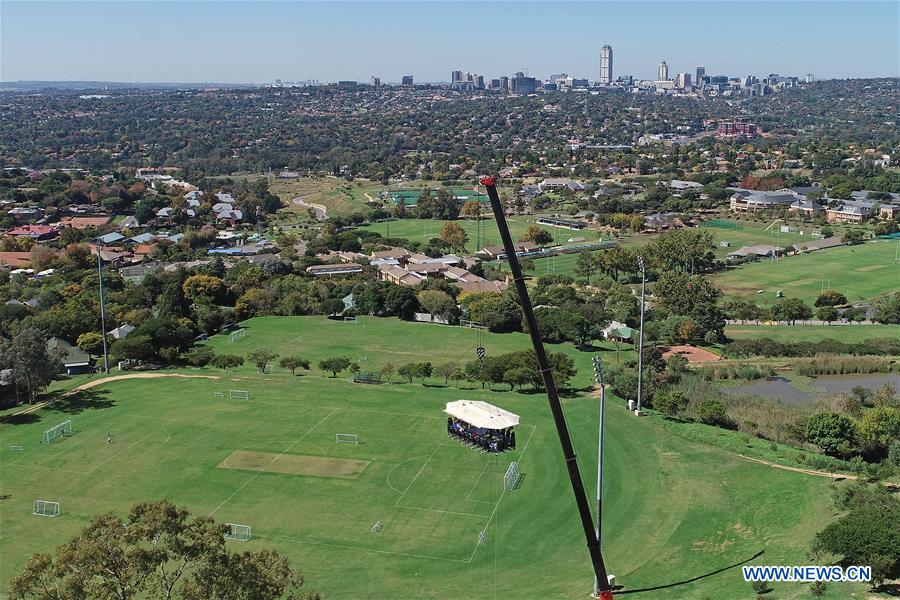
x=218, y=394
x=353, y=320
x=267, y=370
x=54, y=433
x=237, y=532
x=512, y=477
x=237, y=335
x=45, y=508
x=17, y=448
x=346, y=438
x=239, y=394
x=470, y=324
x=378, y=526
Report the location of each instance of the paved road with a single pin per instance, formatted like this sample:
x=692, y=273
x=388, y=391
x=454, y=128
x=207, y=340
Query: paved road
x=319, y=210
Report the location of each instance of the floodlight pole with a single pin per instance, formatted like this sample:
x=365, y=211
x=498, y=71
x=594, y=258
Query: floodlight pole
x=640, y=390
x=102, y=308
x=598, y=371
x=603, y=589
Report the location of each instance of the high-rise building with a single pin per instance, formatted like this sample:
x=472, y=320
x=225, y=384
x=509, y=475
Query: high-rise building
x=479, y=82
x=701, y=73
x=407, y=80
x=663, y=74
x=504, y=83
x=683, y=81
x=606, y=65
x=495, y=84
x=810, y=78
x=456, y=76
x=376, y=81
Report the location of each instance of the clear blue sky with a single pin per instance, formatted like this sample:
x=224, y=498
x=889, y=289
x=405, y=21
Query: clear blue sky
x=254, y=41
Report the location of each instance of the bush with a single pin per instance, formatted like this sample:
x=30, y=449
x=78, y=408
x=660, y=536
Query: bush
x=712, y=412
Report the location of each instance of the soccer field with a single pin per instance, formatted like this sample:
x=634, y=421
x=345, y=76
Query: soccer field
x=860, y=272
x=674, y=510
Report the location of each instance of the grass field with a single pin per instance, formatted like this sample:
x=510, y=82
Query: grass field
x=679, y=516
x=814, y=333
x=860, y=272
x=417, y=230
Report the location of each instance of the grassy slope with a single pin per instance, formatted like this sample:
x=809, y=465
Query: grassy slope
x=848, y=269
x=424, y=229
x=674, y=509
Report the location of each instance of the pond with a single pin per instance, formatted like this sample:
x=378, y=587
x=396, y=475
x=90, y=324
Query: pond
x=781, y=388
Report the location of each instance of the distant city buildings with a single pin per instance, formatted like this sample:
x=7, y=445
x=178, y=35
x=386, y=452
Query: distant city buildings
x=376, y=81
x=606, y=65
x=700, y=75
x=663, y=72
x=407, y=80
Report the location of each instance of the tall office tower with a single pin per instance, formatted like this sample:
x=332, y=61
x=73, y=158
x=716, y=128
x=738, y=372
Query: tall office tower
x=701, y=73
x=376, y=81
x=810, y=78
x=606, y=65
x=683, y=81
x=479, y=82
x=504, y=83
x=407, y=80
x=456, y=76
x=663, y=72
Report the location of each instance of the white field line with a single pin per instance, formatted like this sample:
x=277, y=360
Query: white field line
x=419, y=472
x=390, y=552
x=491, y=518
x=477, y=479
x=282, y=453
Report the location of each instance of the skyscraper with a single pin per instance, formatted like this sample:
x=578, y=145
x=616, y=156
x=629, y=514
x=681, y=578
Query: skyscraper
x=407, y=80
x=606, y=65
x=663, y=72
x=701, y=73
x=456, y=76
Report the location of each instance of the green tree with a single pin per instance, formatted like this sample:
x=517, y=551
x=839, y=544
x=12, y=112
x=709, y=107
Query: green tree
x=831, y=298
x=791, y=310
x=539, y=236
x=446, y=371
x=91, y=342
x=136, y=346
x=454, y=235
x=834, y=433
x=161, y=551
x=437, y=303
x=887, y=308
x=853, y=236
x=827, y=314
x=713, y=412
x=387, y=371
x=335, y=364
x=293, y=363
x=33, y=366
x=261, y=358
x=200, y=357
x=226, y=362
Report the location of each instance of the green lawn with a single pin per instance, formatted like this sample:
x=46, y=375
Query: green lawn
x=751, y=234
x=416, y=230
x=860, y=272
x=677, y=513
x=814, y=333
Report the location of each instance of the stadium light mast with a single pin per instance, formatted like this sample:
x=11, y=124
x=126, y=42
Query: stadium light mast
x=102, y=308
x=640, y=390
x=603, y=589
x=598, y=372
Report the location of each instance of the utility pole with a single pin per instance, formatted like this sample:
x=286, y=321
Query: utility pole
x=102, y=308
x=604, y=590
x=640, y=391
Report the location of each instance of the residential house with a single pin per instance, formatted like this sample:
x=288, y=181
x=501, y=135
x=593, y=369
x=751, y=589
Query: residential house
x=558, y=183
x=38, y=233
x=74, y=360
x=121, y=331
x=81, y=223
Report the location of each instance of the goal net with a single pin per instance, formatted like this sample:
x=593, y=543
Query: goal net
x=350, y=320
x=237, y=335
x=512, y=477
x=45, y=508
x=346, y=438
x=267, y=370
x=237, y=532
x=239, y=394
x=59, y=431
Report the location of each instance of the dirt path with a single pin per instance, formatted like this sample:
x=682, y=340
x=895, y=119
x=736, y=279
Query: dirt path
x=96, y=382
x=796, y=469
x=319, y=209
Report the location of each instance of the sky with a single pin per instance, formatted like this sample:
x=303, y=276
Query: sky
x=252, y=41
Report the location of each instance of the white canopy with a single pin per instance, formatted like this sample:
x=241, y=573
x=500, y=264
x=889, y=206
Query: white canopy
x=481, y=414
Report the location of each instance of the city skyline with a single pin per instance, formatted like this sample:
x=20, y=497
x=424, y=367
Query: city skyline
x=221, y=41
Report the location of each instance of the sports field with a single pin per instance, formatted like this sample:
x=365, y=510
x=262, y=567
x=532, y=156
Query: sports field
x=860, y=272
x=417, y=230
x=813, y=333
x=679, y=516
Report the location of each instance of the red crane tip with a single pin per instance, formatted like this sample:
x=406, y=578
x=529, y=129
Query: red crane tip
x=487, y=181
